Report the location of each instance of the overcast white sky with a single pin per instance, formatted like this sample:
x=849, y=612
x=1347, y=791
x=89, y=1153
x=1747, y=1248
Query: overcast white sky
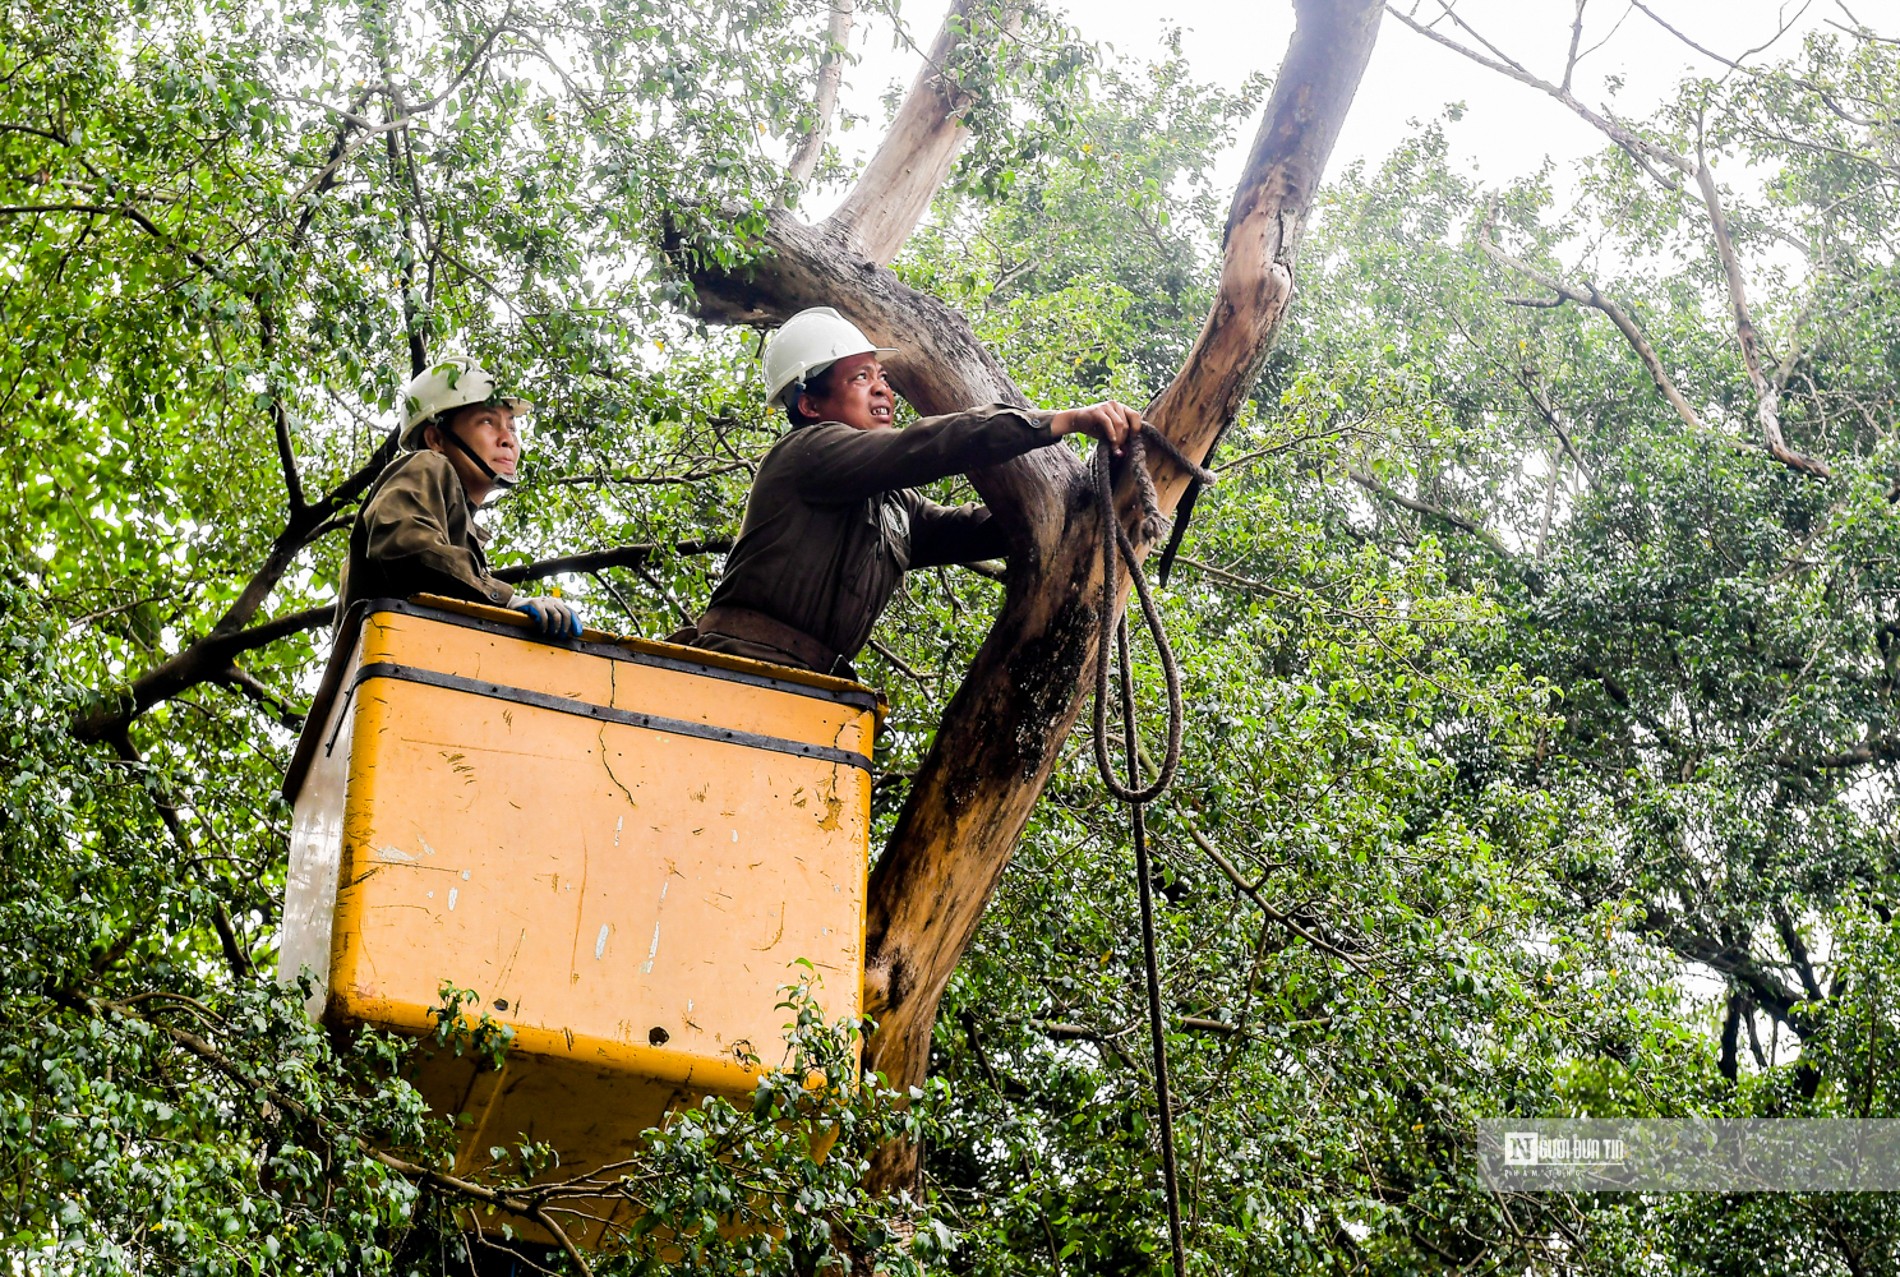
x=1508, y=129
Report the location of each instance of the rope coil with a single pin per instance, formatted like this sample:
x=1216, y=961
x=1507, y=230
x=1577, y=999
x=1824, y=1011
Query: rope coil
x=1153, y=524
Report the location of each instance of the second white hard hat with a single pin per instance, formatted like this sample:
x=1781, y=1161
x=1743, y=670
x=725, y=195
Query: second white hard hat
x=808, y=343
x=451, y=383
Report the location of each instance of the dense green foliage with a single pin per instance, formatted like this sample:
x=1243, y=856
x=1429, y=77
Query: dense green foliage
x=1541, y=743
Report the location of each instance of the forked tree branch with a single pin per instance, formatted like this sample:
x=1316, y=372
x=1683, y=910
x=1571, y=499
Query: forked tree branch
x=975, y=789
x=1767, y=393
x=1826, y=96
x=1587, y=294
x=1576, y=39
x=1001, y=735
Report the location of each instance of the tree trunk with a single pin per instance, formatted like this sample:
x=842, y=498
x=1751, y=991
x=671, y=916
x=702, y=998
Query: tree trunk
x=1002, y=732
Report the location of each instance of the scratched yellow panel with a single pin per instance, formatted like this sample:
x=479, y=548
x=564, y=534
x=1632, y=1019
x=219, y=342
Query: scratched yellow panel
x=627, y=897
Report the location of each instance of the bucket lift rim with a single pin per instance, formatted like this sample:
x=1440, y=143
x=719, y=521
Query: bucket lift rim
x=514, y=625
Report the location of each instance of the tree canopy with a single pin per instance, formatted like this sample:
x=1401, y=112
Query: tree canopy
x=1540, y=636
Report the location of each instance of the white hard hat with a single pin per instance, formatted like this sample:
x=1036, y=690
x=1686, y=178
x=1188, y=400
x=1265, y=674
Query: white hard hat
x=452, y=383
x=810, y=342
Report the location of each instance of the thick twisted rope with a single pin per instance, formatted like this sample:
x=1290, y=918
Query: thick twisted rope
x=1153, y=524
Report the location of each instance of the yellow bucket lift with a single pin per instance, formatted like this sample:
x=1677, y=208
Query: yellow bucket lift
x=623, y=847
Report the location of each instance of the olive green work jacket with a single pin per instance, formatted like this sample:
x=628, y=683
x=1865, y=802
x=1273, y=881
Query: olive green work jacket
x=416, y=534
x=832, y=525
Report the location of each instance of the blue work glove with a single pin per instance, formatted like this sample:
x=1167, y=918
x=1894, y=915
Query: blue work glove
x=553, y=616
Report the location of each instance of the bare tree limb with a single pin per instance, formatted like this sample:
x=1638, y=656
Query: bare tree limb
x=915, y=157
x=1754, y=1038
x=1000, y=737
x=1576, y=38
x=902, y=666
x=1588, y=295
x=1767, y=393
x=1735, y=63
x=825, y=100
x=1861, y=31
x=939, y=365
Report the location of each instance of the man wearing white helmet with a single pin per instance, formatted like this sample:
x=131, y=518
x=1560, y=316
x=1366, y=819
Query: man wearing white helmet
x=416, y=531
x=833, y=523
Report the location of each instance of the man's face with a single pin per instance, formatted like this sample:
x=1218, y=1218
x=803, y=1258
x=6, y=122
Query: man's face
x=854, y=392
x=490, y=430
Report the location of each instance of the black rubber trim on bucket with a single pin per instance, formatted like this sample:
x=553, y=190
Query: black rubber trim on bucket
x=614, y=652
x=606, y=713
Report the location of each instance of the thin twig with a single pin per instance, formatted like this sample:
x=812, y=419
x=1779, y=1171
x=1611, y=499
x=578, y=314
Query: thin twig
x=235, y=956
x=1504, y=65
x=1278, y=916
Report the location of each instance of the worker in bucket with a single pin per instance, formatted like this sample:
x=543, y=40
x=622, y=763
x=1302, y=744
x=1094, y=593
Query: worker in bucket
x=833, y=523
x=416, y=531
